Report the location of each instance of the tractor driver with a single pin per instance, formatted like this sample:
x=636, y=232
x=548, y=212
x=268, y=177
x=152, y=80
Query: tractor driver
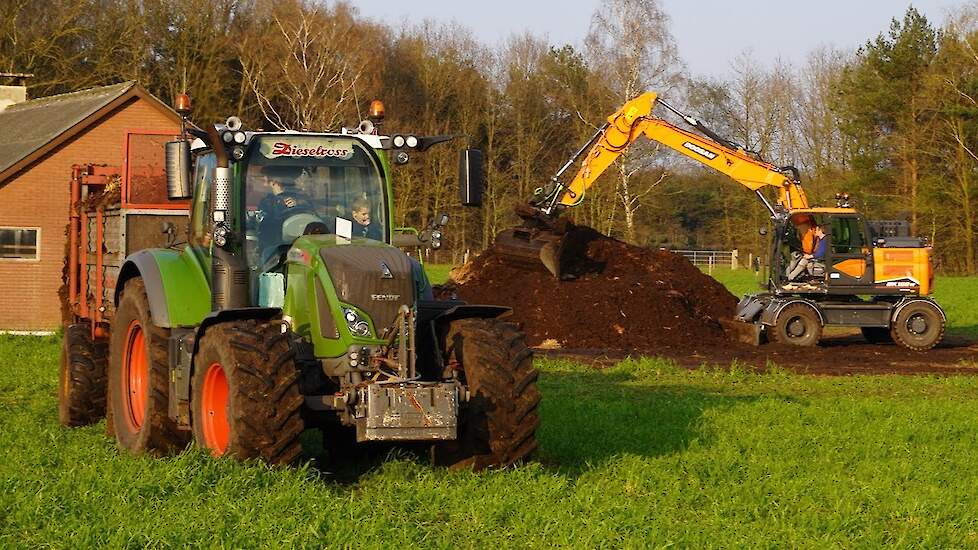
x=276, y=206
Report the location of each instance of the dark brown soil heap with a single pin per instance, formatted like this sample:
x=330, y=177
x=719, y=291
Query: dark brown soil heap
x=624, y=296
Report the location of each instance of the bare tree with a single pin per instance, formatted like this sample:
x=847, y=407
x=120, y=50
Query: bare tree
x=631, y=48
x=299, y=66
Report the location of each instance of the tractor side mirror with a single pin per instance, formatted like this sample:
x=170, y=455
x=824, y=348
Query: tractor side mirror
x=471, y=178
x=178, y=178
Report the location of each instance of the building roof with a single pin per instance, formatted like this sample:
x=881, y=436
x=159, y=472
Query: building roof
x=31, y=128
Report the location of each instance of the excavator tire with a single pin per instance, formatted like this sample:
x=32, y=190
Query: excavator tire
x=139, y=379
x=918, y=326
x=497, y=425
x=82, y=378
x=798, y=325
x=245, y=398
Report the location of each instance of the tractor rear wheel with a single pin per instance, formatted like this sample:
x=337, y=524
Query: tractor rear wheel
x=797, y=324
x=82, y=378
x=245, y=393
x=918, y=326
x=497, y=425
x=139, y=384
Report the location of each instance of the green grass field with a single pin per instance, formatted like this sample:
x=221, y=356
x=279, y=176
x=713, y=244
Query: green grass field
x=641, y=454
x=636, y=455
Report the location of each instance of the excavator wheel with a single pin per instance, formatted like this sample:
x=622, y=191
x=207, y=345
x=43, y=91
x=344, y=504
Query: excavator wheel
x=918, y=326
x=797, y=324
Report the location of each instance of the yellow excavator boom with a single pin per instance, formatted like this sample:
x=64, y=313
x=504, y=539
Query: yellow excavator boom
x=537, y=242
x=635, y=119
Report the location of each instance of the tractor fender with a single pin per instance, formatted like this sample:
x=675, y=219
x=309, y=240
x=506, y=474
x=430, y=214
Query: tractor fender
x=175, y=286
x=441, y=312
x=907, y=301
x=770, y=314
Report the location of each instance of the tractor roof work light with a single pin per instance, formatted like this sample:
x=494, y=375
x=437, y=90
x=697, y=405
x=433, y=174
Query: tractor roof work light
x=182, y=104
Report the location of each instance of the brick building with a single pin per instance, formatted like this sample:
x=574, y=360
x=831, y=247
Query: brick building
x=40, y=140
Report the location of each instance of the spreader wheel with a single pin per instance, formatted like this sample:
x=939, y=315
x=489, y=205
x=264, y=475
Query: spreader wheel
x=82, y=377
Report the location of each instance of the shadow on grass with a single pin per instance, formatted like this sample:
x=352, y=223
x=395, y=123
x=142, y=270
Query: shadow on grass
x=592, y=417
x=587, y=419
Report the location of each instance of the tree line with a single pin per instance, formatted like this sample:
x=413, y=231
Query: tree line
x=894, y=123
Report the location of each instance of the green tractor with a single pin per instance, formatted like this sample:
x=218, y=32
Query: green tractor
x=294, y=306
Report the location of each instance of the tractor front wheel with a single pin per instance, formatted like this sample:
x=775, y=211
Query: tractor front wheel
x=82, y=378
x=245, y=393
x=498, y=423
x=139, y=384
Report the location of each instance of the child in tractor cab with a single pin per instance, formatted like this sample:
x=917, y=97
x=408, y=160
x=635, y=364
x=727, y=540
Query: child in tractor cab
x=362, y=226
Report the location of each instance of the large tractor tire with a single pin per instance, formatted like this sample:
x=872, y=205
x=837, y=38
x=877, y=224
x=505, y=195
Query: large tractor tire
x=918, y=326
x=139, y=379
x=797, y=324
x=498, y=423
x=245, y=393
x=82, y=378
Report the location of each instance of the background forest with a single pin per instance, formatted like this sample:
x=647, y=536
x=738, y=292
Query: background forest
x=894, y=122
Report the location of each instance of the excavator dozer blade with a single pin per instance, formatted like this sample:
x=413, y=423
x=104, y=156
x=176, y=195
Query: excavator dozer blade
x=532, y=249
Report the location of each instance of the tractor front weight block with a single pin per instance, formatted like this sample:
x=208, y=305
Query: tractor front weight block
x=411, y=411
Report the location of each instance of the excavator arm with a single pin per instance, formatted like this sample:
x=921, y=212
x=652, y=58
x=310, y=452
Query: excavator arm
x=635, y=119
x=538, y=242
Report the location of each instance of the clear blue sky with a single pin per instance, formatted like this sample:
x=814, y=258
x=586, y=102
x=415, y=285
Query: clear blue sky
x=710, y=33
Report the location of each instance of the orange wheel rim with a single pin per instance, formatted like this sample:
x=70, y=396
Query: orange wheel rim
x=214, y=415
x=135, y=379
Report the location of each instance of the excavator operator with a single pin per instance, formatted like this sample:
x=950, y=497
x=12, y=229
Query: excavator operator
x=808, y=262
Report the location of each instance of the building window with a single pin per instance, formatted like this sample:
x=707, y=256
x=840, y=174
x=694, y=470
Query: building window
x=19, y=243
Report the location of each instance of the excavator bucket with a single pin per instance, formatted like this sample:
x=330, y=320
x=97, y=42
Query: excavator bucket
x=533, y=249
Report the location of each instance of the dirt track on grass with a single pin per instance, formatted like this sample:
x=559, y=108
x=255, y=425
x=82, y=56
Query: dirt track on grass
x=839, y=355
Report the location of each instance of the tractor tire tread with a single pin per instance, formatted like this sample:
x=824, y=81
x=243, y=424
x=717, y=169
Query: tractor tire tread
x=83, y=378
x=159, y=434
x=497, y=427
x=259, y=363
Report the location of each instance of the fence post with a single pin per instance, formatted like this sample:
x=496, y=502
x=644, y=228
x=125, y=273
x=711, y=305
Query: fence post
x=733, y=259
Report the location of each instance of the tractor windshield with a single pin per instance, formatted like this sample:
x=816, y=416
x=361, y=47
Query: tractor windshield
x=305, y=184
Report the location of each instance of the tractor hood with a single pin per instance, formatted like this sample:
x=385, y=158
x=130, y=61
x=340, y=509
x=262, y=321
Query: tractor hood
x=375, y=278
